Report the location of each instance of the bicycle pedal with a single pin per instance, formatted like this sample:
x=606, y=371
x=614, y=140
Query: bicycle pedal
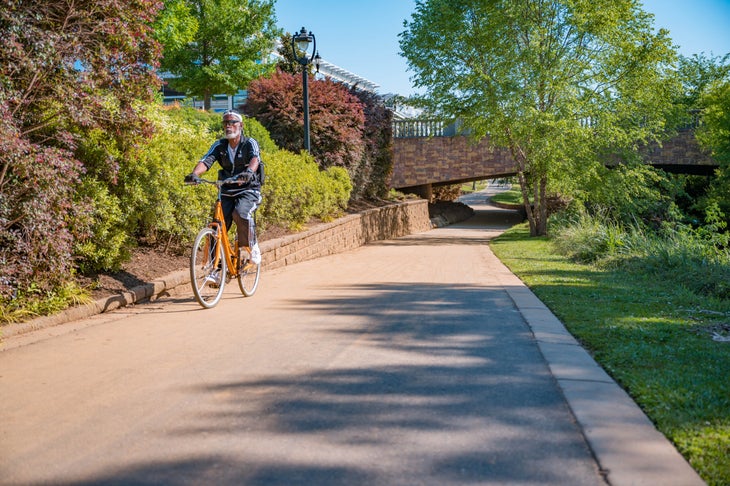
x=248, y=266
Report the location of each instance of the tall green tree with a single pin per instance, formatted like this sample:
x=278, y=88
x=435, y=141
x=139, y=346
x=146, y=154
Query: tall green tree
x=287, y=62
x=700, y=71
x=704, y=104
x=216, y=46
x=696, y=74
x=556, y=82
x=714, y=135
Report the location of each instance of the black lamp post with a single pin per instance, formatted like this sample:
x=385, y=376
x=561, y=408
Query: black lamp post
x=300, y=43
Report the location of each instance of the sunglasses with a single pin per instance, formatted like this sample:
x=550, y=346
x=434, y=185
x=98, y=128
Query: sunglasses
x=230, y=122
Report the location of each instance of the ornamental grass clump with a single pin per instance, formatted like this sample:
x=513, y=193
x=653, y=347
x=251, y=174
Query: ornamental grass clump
x=697, y=259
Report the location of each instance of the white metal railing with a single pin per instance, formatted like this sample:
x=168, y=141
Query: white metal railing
x=423, y=127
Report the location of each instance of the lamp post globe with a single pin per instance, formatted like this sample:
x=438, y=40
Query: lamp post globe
x=300, y=43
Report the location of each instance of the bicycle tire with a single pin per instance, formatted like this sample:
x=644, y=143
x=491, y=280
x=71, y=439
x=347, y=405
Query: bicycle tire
x=248, y=279
x=202, y=267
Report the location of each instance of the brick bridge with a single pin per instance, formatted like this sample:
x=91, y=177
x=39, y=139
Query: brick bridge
x=429, y=153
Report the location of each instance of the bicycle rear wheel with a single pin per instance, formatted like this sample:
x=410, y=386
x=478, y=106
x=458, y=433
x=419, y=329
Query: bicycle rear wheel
x=207, y=268
x=248, y=278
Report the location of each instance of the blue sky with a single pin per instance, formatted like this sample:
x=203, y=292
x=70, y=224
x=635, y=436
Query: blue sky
x=362, y=36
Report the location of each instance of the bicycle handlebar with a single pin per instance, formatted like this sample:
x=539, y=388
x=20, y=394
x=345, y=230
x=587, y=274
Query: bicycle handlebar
x=220, y=183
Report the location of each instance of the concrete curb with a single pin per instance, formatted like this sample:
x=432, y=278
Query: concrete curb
x=626, y=444
x=142, y=293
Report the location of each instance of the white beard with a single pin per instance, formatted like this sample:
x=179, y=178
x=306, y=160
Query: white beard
x=234, y=134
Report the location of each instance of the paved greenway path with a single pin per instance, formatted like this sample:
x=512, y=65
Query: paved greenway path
x=403, y=362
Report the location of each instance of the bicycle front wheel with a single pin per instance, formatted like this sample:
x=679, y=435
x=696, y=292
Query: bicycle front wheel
x=207, y=268
x=248, y=278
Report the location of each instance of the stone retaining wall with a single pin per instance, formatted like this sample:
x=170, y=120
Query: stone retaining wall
x=347, y=233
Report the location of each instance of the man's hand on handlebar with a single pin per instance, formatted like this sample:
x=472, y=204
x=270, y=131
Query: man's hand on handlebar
x=192, y=179
x=245, y=176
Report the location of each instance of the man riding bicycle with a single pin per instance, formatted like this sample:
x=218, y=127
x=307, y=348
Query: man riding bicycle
x=238, y=157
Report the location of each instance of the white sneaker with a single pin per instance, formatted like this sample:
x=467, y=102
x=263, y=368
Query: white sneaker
x=256, y=254
x=214, y=279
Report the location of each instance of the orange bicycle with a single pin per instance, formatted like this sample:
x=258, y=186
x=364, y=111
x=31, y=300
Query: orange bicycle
x=215, y=260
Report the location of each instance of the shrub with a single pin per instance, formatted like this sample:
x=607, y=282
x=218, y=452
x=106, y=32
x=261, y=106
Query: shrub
x=296, y=191
x=166, y=211
x=713, y=136
x=696, y=259
x=107, y=244
x=145, y=200
x=337, y=118
x=54, y=89
x=631, y=194
x=589, y=239
x=371, y=175
x=35, y=214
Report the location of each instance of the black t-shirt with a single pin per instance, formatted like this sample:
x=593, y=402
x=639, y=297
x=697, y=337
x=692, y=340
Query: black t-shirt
x=247, y=149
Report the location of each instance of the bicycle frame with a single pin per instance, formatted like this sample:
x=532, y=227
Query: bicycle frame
x=205, y=260
x=218, y=225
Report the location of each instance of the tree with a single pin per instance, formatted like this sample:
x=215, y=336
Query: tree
x=69, y=69
x=703, y=104
x=556, y=82
x=696, y=74
x=216, y=46
x=287, y=63
x=337, y=117
x=714, y=135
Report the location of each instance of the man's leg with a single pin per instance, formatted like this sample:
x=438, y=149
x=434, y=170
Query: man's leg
x=246, y=206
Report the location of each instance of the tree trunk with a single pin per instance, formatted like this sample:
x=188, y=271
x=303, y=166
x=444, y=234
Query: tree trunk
x=541, y=206
x=537, y=210
x=526, y=202
x=206, y=100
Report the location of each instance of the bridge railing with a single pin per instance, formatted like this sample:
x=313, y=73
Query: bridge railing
x=423, y=127
x=432, y=127
x=691, y=121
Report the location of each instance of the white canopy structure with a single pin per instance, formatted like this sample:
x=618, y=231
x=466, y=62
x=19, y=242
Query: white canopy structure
x=346, y=77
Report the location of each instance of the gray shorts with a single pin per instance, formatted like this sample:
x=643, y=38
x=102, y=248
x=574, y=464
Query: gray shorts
x=245, y=206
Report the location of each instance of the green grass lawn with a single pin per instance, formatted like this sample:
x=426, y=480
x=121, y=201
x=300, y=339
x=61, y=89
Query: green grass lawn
x=653, y=337
x=512, y=196
x=470, y=187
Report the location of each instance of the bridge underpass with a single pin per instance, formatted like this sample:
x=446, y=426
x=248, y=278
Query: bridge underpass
x=428, y=153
